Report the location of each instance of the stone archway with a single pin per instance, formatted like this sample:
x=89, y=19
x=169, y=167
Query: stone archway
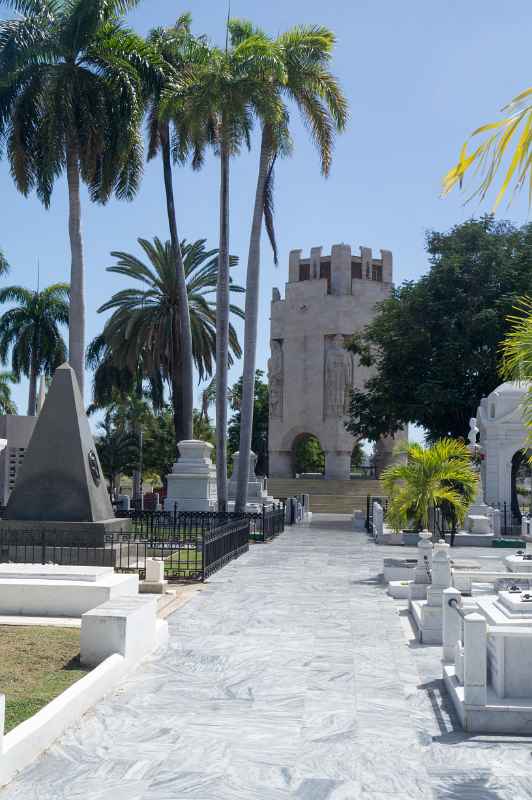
x=520, y=484
x=308, y=456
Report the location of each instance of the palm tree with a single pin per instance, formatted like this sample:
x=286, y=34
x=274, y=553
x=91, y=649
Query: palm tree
x=517, y=355
x=117, y=450
x=514, y=130
x=305, y=53
x=71, y=99
x=144, y=329
x=31, y=332
x=7, y=406
x=440, y=474
x=178, y=50
x=216, y=103
x=4, y=265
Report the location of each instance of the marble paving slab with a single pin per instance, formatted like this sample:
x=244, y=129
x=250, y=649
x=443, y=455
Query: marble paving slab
x=290, y=675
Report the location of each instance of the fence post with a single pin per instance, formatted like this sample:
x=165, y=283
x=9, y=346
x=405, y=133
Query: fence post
x=43, y=547
x=475, y=659
x=505, y=523
x=367, y=512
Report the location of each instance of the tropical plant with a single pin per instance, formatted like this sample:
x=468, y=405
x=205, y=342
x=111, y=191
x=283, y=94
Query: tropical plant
x=178, y=50
x=132, y=414
x=117, y=450
x=218, y=102
x=30, y=332
x=516, y=351
x=440, y=474
x=71, y=99
x=507, y=145
x=4, y=265
x=7, y=406
x=304, y=54
x=144, y=326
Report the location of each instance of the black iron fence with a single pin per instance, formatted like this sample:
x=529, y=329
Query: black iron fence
x=263, y=525
x=191, y=551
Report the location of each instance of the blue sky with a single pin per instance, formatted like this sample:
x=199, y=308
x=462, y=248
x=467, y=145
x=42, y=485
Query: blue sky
x=419, y=76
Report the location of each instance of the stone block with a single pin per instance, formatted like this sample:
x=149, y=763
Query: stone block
x=126, y=626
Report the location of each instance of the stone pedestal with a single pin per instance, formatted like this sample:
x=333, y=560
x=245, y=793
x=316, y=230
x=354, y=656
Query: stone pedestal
x=257, y=494
x=192, y=482
x=418, y=588
x=431, y=618
x=479, y=517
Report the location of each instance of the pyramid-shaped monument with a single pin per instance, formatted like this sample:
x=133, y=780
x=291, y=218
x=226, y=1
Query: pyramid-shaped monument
x=61, y=485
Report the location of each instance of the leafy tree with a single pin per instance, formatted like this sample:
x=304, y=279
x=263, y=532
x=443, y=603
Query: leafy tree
x=118, y=450
x=434, y=344
x=259, y=438
x=30, y=331
x=514, y=131
x=71, y=99
x=7, y=406
x=143, y=330
x=300, y=59
x=308, y=455
x=160, y=446
x=441, y=474
x=179, y=51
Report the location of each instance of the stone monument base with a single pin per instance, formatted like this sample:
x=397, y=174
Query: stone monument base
x=82, y=534
x=192, y=482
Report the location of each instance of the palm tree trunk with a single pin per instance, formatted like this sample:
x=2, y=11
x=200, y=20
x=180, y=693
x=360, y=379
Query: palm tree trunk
x=222, y=328
x=250, y=328
x=185, y=330
x=76, y=327
x=32, y=396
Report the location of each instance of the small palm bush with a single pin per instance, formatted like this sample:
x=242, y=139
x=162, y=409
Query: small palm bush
x=440, y=475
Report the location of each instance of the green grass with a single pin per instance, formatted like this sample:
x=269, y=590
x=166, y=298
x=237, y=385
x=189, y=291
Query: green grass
x=185, y=566
x=36, y=665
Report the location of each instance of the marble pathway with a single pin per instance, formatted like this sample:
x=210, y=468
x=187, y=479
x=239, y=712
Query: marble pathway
x=291, y=675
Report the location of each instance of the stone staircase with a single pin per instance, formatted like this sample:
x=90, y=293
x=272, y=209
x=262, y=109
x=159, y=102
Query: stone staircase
x=327, y=497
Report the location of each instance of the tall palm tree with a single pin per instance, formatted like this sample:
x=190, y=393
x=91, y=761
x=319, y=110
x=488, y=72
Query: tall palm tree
x=440, y=474
x=143, y=328
x=7, y=406
x=179, y=51
x=216, y=103
x=30, y=331
x=71, y=99
x=507, y=145
x=305, y=53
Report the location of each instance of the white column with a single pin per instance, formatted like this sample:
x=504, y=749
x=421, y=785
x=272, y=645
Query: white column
x=475, y=660
x=452, y=623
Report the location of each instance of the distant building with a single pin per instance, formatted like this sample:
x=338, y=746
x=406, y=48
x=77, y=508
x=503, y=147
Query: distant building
x=327, y=298
x=18, y=431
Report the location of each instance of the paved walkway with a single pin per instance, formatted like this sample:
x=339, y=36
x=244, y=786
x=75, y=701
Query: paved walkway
x=291, y=675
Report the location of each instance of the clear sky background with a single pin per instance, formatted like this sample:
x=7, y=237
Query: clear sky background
x=419, y=75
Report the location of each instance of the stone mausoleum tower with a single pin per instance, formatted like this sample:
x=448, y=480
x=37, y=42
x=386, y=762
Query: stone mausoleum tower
x=328, y=298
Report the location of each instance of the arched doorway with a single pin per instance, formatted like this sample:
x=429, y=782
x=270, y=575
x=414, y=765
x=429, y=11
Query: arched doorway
x=362, y=460
x=521, y=485
x=308, y=457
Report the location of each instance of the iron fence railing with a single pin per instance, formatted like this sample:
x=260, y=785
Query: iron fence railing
x=263, y=525
x=192, y=551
